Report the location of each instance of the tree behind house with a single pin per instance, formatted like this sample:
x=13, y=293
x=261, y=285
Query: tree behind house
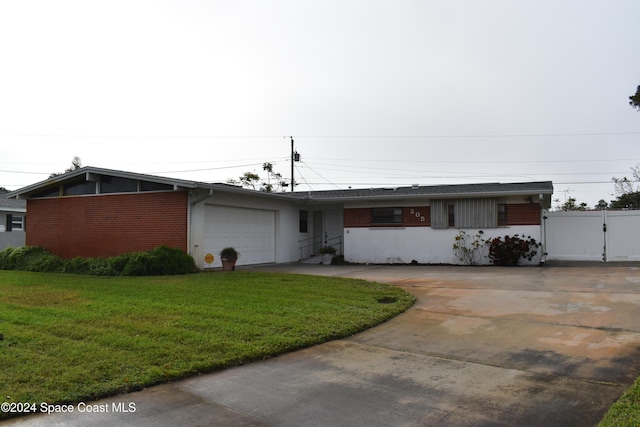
x=272, y=184
x=75, y=165
x=570, y=205
x=634, y=100
x=627, y=190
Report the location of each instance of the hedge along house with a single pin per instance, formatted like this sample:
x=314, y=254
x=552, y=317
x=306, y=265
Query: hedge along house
x=96, y=212
x=420, y=223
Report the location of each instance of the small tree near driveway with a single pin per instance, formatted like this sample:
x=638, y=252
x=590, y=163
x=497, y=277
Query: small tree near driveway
x=512, y=249
x=470, y=249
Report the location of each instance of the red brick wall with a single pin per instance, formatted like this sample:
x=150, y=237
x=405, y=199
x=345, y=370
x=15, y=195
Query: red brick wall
x=517, y=214
x=417, y=216
x=523, y=214
x=361, y=217
x=107, y=225
x=357, y=217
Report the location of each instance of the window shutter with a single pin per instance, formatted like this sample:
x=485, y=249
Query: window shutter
x=9, y=226
x=469, y=213
x=439, y=214
x=477, y=213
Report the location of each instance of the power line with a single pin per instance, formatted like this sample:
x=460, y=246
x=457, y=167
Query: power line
x=347, y=168
x=387, y=183
x=476, y=161
x=312, y=170
x=302, y=177
x=211, y=169
x=532, y=135
x=156, y=172
x=25, y=172
x=408, y=172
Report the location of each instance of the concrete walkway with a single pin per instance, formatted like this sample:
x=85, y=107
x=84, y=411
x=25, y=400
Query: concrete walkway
x=482, y=346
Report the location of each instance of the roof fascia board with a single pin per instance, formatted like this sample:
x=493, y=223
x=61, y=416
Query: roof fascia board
x=92, y=174
x=11, y=209
x=47, y=182
x=312, y=199
x=245, y=191
x=177, y=183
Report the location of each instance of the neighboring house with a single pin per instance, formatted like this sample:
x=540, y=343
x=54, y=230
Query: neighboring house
x=101, y=212
x=12, y=221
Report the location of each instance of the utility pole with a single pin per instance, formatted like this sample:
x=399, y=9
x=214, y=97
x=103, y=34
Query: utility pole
x=292, y=181
x=295, y=157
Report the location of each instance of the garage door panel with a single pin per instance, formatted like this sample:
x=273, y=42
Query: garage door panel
x=250, y=231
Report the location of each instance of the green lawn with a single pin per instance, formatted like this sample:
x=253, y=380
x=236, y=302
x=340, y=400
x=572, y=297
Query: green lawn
x=626, y=411
x=69, y=338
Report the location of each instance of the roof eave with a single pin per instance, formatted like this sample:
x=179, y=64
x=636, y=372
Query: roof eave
x=425, y=196
x=13, y=209
x=90, y=171
x=234, y=189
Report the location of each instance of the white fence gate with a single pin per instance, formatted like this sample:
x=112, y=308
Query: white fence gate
x=592, y=235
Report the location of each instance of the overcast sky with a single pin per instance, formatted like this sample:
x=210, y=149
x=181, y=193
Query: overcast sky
x=375, y=93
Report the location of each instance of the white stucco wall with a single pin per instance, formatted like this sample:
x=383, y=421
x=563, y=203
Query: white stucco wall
x=399, y=245
x=287, y=232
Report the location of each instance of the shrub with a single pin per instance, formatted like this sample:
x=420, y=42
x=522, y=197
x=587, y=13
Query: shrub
x=117, y=263
x=43, y=262
x=90, y=266
x=5, y=263
x=138, y=264
x=29, y=258
x=77, y=265
x=101, y=267
x=328, y=250
x=159, y=261
x=172, y=261
x=229, y=253
x=470, y=249
x=9, y=258
x=511, y=250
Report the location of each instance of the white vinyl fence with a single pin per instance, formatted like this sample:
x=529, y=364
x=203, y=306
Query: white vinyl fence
x=592, y=235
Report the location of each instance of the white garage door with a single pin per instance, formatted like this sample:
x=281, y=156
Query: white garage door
x=250, y=231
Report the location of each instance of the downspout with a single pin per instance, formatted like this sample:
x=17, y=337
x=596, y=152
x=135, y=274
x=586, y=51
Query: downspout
x=190, y=222
x=604, y=236
x=543, y=230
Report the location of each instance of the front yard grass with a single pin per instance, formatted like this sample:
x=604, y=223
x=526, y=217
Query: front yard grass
x=626, y=411
x=69, y=338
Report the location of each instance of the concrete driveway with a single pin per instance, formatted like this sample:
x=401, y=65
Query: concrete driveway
x=483, y=346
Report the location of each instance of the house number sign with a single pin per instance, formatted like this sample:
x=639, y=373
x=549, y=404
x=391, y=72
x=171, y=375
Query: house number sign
x=417, y=214
x=208, y=258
